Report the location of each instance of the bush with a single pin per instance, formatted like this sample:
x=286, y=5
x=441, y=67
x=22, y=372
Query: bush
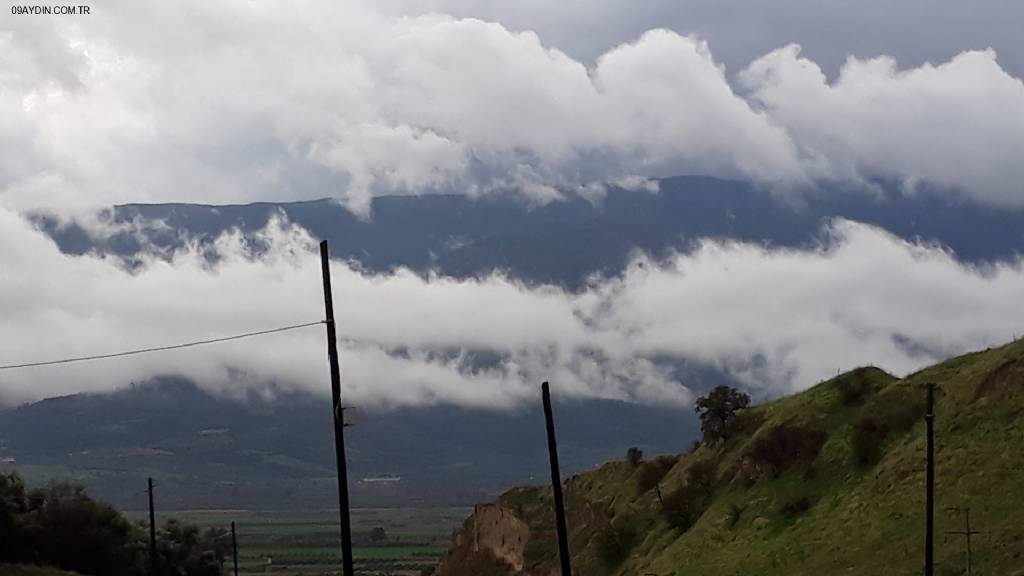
x=683, y=507
x=901, y=414
x=745, y=423
x=651, y=472
x=702, y=476
x=868, y=436
x=733, y=514
x=613, y=544
x=853, y=387
x=786, y=445
x=795, y=506
x=634, y=456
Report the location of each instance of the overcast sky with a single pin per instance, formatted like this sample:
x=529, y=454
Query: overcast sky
x=911, y=31
x=237, y=101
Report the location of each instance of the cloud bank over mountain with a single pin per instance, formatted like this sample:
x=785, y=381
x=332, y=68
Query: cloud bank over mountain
x=232, y=101
x=775, y=320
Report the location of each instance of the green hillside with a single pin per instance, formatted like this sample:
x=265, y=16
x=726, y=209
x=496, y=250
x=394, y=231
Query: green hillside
x=829, y=481
x=29, y=570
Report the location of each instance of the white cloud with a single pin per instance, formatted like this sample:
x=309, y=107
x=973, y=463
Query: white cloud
x=959, y=124
x=232, y=102
x=777, y=320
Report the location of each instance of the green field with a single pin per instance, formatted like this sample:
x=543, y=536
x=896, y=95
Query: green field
x=306, y=541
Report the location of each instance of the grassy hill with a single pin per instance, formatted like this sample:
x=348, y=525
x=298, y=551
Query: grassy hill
x=29, y=570
x=829, y=481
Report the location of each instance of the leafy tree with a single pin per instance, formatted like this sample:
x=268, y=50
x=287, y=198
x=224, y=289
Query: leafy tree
x=68, y=528
x=183, y=549
x=13, y=505
x=717, y=411
x=634, y=455
x=63, y=526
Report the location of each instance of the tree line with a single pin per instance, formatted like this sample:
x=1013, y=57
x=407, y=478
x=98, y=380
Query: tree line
x=63, y=527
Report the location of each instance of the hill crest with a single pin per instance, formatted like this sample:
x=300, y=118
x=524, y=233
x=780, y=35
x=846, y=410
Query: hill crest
x=825, y=481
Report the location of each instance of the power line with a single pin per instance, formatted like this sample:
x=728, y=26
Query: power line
x=163, y=348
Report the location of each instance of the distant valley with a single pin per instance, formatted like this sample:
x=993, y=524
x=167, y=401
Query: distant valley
x=210, y=452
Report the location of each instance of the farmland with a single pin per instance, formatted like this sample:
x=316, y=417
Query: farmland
x=306, y=541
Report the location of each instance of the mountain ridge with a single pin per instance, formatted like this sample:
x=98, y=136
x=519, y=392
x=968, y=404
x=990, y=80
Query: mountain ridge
x=568, y=241
x=216, y=452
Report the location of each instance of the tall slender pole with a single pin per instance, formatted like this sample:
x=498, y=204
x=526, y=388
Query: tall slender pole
x=929, y=548
x=234, y=547
x=556, y=484
x=339, y=424
x=152, y=531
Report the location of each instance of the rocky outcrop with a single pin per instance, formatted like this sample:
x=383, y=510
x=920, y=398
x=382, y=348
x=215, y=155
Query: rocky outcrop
x=492, y=531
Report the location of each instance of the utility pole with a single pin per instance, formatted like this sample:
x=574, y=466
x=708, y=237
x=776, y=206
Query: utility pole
x=338, y=413
x=152, y=531
x=556, y=484
x=234, y=547
x=967, y=532
x=929, y=546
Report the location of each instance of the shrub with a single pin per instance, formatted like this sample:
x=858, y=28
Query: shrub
x=868, y=436
x=634, y=456
x=702, y=475
x=794, y=506
x=683, y=507
x=651, y=472
x=901, y=414
x=613, y=544
x=745, y=423
x=854, y=386
x=538, y=550
x=733, y=514
x=786, y=445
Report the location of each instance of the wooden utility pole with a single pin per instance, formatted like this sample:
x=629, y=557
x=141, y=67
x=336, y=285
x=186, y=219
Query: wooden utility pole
x=338, y=413
x=929, y=494
x=556, y=484
x=967, y=532
x=152, y=531
x=234, y=547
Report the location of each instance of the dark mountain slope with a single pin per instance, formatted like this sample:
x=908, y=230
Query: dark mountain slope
x=214, y=452
x=565, y=242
